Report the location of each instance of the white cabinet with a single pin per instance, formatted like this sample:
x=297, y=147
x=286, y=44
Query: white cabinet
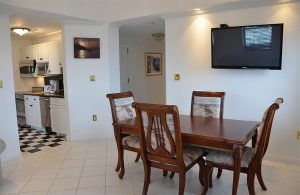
x=41, y=52
x=50, y=51
x=33, y=112
x=54, y=57
x=27, y=53
x=58, y=115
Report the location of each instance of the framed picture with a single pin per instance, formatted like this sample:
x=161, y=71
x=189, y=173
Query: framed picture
x=153, y=63
x=86, y=47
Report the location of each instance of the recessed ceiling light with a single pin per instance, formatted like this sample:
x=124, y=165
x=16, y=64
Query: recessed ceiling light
x=197, y=9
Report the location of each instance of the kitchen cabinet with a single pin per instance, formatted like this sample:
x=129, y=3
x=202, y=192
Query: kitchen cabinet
x=49, y=51
x=33, y=112
x=54, y=66
x=27, y=53
x=41, y=52
x=58, y=115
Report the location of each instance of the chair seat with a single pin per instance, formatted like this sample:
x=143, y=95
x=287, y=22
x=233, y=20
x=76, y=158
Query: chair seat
x=132, y=141
x=225, y=157
x=191, y=153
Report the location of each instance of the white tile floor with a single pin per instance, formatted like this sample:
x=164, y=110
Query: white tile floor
x=87, y=168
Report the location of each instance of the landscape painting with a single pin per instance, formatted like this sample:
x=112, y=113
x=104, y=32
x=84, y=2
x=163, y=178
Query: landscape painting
x=153, y=64
x=86, y=47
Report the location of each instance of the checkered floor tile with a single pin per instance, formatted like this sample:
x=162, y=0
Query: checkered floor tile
x=33, y=141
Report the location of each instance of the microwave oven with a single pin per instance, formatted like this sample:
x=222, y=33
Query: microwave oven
x=33, y=68
x=41, y=68
x=27, y=68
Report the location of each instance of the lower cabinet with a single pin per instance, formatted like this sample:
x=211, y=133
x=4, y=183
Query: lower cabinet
x=33, y=112
x=58, y=115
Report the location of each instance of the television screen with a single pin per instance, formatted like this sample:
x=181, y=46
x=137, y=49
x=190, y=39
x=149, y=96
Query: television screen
x=242, y=47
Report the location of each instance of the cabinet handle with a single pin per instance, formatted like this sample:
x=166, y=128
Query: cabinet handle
x=30, y=105
x=26, y=57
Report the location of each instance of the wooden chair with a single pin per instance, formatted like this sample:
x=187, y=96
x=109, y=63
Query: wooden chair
x=121, y=109
x=161, y=143
x=208, y=104
x=252, y=157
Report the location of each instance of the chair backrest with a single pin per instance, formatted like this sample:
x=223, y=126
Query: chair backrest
x=160, y=133
x=207, y=104
x=121, y=106
x=266, y=127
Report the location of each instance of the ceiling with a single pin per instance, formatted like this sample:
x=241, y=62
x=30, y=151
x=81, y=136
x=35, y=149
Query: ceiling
x=143, y=26
x=44, y=23
x=40, y=23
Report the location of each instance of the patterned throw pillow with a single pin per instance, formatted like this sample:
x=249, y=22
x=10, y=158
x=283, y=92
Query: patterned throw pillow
x=207, y=107
x=124, y=108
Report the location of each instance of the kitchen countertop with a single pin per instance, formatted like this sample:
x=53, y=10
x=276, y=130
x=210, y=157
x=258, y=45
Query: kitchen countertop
x=42, y=94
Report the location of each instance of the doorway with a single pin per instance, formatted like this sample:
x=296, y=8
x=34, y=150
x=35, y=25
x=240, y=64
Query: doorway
x=137, y=37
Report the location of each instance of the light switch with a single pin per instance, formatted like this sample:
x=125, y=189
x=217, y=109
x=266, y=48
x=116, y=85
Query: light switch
x=176, y=77
x=1, y=85
x=93, y=78
x=94, y=117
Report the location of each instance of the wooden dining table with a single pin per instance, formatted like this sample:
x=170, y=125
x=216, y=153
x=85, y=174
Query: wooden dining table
x=225, y=134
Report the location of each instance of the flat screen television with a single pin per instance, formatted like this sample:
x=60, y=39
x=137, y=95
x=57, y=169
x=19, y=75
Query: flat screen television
x=243, y=47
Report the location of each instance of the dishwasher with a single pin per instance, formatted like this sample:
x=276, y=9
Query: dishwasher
x=45, y=113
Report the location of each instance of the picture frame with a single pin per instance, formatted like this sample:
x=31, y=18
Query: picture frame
x=153, y=63
x=86, y=47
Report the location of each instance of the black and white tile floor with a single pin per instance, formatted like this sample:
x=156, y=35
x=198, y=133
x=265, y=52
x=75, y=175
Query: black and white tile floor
x=33, y=141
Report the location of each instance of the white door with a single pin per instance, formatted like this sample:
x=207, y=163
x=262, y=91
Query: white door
x=124, y=76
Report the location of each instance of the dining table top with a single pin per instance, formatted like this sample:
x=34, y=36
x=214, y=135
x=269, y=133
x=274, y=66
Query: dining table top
x=207, y=131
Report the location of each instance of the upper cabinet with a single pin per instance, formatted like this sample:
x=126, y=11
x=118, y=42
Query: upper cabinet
x=54, y=61
x=50, y=51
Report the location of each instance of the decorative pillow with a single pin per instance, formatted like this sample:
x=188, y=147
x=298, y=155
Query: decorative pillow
x=207, y=106
x=124, y=108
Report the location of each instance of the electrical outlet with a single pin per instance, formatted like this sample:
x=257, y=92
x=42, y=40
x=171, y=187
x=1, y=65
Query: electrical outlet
x=1, y=84
x=298, y=135
x=93, y=78
x=94, y=117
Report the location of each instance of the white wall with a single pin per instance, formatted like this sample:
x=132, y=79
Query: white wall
x=150, y=89
x=85, y=98
x=21, y=84
x=248, y=92
x=8, y=115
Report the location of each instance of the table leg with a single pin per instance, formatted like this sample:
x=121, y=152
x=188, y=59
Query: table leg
x=237, y=158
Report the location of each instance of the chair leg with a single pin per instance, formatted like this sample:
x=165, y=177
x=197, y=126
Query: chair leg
x=138, y=156
x=165, y=173
x=219, y=173
x=147, y=170
x=121, y=160
x=260, y=179
x=201, y=171
x=118, y=166
x=172, y=175
x=207, y=172
x=250, y=182
x=181, y=183
x=210, y=179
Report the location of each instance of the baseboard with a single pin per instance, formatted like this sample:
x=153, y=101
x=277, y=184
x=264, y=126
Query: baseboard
x=281, y=158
